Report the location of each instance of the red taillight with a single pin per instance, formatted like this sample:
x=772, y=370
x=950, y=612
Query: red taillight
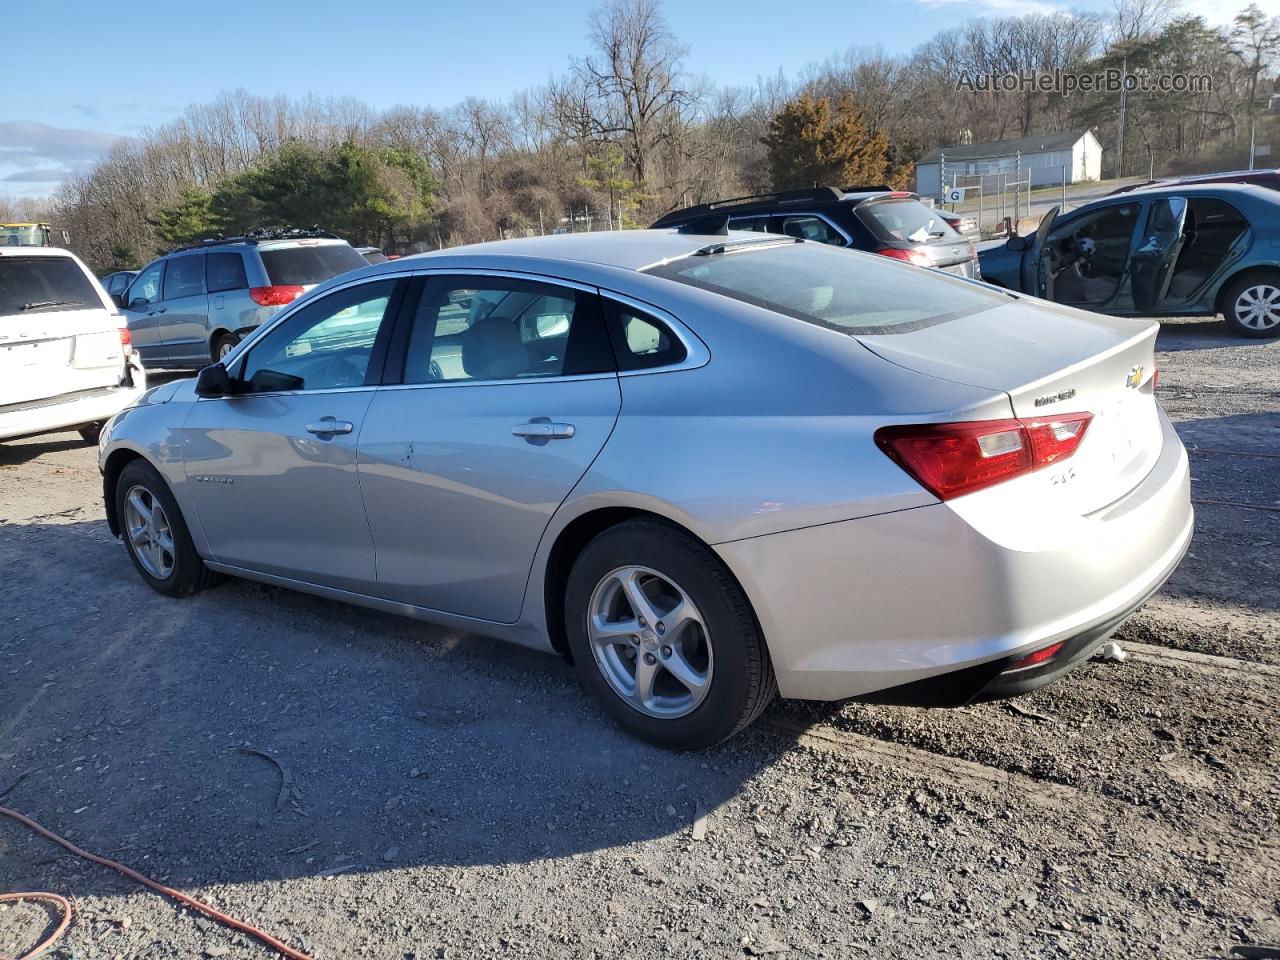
x=1155, y=378
x=952, y=459
x=1034, y=659
x=126, y=340
x=276, y=296
x=910, y=256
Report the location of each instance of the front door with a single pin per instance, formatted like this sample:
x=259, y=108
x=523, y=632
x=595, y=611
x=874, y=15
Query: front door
x=141, y=313
x=272, y=467
x=507, y=396
x=185, y=322
x=1085, y=257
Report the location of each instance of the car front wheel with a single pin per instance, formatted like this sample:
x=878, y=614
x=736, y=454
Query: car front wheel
x=664, y=637
x=156, y=535
x=1251, y=306
x=224, y=345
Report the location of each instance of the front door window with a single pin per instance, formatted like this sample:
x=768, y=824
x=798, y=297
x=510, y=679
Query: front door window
x=1086, y=255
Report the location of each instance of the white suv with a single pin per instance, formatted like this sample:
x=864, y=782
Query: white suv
x=65, y=357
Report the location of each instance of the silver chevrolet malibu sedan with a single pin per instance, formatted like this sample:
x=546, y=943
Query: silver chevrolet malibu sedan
x=707, y=468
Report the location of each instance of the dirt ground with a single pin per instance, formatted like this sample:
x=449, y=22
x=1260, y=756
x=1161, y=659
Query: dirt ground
x=454, y=797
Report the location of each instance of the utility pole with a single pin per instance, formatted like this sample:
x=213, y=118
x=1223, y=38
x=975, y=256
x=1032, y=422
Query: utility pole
x=1124, y=73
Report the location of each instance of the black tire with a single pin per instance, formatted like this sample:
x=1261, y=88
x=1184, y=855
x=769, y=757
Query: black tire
x=1233, y=292
x=742, y=683
x=91, y=432
x=189, y=574
x=221, y=344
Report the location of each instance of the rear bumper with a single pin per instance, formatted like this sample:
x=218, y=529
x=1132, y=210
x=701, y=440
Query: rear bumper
x=849, y=609
x=66, y=412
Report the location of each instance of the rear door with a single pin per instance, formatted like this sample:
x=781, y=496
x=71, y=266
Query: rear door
x=184, y=322
x=507, y=395
x=1157, y=252
x=56, y=335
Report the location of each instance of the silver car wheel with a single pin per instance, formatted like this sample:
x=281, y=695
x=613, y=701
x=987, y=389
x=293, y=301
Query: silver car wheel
x=150, y=535
x=1258, y=307
x=225, y=347
x=650, y=642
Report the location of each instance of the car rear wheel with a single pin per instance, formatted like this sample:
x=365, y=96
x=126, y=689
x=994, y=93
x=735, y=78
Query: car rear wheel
x=224, y=345
x=664, y=637
x=1251, y=306
x=156, y=535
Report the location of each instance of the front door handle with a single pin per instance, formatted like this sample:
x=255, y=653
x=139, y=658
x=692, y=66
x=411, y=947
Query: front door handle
x=543, y=429
x=328, y=426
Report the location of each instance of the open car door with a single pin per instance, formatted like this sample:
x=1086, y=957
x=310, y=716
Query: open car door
x=1154, y=260
x=1037, y=278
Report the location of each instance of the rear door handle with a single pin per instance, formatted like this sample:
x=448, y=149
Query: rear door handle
x=328, y=426
x=543, y=429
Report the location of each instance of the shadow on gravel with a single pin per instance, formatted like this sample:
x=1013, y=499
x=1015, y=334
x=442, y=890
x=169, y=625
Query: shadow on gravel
x=1202, y=333
x=13, y=455
x=398, y=744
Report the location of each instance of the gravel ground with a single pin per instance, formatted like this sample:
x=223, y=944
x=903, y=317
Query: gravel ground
x=453, y=797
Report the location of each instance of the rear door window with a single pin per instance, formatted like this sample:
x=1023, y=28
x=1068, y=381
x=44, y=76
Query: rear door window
x=904, y=221
x=225, y=271
x=184, y=277
x=31, y=284
x=304, y=265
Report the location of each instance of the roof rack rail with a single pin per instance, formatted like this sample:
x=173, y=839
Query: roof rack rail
x=868, y=188
x=812, y=195
x=254, y=237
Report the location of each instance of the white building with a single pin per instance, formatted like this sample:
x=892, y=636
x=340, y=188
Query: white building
x=1048, y=157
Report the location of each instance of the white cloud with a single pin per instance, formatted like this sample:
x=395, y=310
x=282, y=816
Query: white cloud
x=1221, y=14
x=1003, y=8
x=36, y=157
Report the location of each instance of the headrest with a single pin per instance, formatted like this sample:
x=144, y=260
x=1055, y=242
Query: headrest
x=492, y=350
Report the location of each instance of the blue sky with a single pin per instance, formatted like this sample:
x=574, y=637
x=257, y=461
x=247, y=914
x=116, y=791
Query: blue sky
x=115, y=70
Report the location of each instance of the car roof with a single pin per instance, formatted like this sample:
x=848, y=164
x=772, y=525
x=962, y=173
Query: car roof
x=7, y=251
x=625, y=249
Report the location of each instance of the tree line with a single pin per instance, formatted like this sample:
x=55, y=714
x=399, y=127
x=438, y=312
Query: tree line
x=629, y=131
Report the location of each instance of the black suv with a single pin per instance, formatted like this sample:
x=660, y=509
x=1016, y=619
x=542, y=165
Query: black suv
x=892, y=223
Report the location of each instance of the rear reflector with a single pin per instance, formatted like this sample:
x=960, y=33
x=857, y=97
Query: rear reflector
x=952, y=459
x=1034, y=659
x=910, y=256
x=276, y=296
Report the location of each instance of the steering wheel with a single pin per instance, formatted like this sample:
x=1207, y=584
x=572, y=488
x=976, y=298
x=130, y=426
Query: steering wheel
x=341, y=371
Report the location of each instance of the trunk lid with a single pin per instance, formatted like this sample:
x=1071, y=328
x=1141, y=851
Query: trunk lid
x=1054, y=360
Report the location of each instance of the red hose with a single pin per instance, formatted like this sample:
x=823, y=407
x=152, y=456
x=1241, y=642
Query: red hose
x=54, y=937
x=134, y=875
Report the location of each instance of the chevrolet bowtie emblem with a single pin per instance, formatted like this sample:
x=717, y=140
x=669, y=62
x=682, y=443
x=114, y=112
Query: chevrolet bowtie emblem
x=1134, y=379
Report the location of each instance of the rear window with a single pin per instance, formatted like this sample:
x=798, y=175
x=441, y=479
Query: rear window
x=905, y=221
x=299, y=266
x=32, y=284
x=840, y=289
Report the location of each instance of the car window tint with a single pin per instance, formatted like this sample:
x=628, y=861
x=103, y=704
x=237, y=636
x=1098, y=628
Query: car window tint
x=494, y=328
x=147, y=285
x=306, y=264
x=184, y=277
x=640, y=340
x=31, y=284
x=225, y=272
x=325, y=345
x=810, y=228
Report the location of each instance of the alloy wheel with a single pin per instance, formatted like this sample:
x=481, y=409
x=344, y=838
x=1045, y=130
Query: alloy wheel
x=1258, y=307
x=150, y=534
x=650, y=642
x=225, y=347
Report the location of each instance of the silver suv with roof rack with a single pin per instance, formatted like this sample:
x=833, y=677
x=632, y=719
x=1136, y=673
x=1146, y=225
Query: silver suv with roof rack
x=192, y=306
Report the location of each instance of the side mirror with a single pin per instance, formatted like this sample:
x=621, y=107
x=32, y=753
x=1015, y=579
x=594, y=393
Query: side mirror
x=213, y=381
x=137, y=302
